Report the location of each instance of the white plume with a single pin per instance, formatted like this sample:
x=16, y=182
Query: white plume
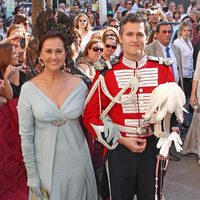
x=167, y=97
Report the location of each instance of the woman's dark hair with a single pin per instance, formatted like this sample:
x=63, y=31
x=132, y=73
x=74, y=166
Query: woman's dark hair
x=20, y=18
x=5, y=57
x=17, y=8
x=174, y=13
x=151, y=36
x=51, y=24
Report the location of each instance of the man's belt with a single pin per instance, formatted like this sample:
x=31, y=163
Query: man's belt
x=142, y=132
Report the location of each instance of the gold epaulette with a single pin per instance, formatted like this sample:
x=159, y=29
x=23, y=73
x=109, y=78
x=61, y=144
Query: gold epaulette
x=160, y=60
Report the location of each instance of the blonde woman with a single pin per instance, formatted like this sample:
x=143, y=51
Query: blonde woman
x=84, y=27
x=184, y=43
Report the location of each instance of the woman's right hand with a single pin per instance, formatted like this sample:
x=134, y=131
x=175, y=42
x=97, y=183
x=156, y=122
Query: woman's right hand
x=9, y=71
x=1, y=84
x=193, y=99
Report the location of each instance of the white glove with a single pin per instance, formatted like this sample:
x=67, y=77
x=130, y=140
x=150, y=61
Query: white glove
x=111, y=132
x=174, y=136
x=164, y=144
x=37, y=192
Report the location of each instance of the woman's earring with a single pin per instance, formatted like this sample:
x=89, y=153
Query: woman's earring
x=42, y=63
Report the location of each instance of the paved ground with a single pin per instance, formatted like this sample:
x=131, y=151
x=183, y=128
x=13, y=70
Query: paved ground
x=182, y=181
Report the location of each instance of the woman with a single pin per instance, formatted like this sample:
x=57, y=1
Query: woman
x=192, y=141
x=195, y=16
x=184, y=43
x=12, y=170
x=176, y=16
x=94, y=23
x=83, y=25
x=152, y=37
x=22, y=20
x=91, y=54
x=110, y=31
x=110, y=46
x=19, y=43
x=54, y=148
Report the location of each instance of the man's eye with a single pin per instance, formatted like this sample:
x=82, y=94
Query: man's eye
x=129, y=34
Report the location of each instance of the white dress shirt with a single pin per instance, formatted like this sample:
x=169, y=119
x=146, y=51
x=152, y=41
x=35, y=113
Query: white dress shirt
x=187, y=56
x=173, y=57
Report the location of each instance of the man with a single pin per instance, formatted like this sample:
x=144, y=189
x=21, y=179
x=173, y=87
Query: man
x=121, y=5
x=172, y=6
x=162, y=47
x=128, y=7
x=114, y=23
x=114, y=111
x=159, y=48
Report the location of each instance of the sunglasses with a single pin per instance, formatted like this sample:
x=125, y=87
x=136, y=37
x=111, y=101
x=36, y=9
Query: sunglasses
x=165, y=32
x=114, y=26
x=97, y=49
x=110, y=46
x=26, y=24
x=107, y=35
x=84, y=20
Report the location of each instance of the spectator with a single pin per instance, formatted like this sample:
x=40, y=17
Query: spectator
x=91, y=54
x=184, y=43
x=158, y=48
x=118, y=15
x=152, y=37
x=96, y=35
x=95, y=5
x=94, y=22
x=110, y=45
x=114, y=23
x=12, y=169
x=128, y=7
x=176, y=16
x=169, y=16
x=83, y=25
x=156, y=15
x=195, y=16
x=172, y=6
x=109, y=17
x=3, y=29
x=121, y=5
x=19, y=43
x=109, y=31
x=22, y=20
x=61, y=8
x=3, y=10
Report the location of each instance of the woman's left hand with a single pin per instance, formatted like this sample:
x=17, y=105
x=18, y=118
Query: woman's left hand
x=1, y=84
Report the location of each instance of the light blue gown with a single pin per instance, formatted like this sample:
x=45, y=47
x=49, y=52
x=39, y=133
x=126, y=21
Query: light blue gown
x=54, y=148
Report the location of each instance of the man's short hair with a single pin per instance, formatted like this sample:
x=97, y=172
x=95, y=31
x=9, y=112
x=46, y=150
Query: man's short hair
x=133, y=18
x=162, y=24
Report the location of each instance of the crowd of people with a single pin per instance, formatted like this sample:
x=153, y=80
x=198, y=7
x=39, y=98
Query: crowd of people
x=74, y=93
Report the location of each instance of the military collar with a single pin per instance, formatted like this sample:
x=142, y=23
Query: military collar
x=134, y=64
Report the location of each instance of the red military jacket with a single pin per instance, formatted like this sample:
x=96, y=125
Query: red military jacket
x=130, y=113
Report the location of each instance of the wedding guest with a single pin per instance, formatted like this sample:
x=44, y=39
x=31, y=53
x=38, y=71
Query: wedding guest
x=50, y=127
